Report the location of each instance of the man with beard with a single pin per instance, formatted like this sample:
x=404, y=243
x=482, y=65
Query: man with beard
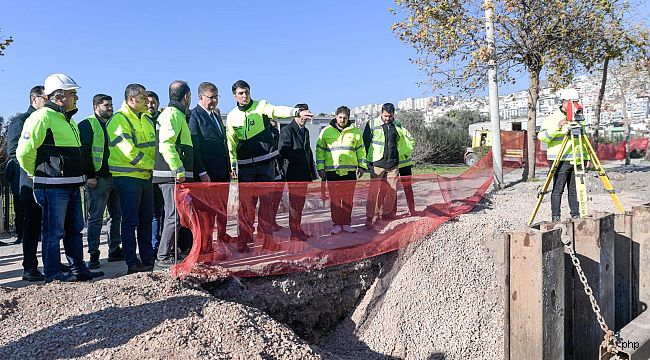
x=101, y=192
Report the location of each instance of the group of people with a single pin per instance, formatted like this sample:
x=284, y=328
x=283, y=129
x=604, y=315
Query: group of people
x=129, y=161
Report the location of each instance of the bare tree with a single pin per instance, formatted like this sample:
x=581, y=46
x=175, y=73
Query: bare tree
x=4, y=43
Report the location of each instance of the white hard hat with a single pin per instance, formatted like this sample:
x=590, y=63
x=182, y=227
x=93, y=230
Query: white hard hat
x=569, y=94
x=59, y=82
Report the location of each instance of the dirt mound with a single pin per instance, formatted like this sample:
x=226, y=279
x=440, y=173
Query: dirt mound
x=138, y=316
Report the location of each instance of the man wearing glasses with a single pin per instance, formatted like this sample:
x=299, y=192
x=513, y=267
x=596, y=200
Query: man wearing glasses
x=28, y=212
x=211, y=161
x=50, y=152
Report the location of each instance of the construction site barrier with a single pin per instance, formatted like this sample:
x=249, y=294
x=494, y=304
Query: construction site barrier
x=247, y=252
x=262, y=249
x=548, y=313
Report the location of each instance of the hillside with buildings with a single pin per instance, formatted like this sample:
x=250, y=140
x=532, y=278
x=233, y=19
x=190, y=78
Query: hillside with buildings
x=513, y=108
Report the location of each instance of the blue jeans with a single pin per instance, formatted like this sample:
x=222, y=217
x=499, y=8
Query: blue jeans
x=62, y=220
x=136, y=202
x=156, y=223
x=102, y=196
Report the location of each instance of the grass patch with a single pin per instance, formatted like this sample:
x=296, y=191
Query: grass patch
x=441, y=169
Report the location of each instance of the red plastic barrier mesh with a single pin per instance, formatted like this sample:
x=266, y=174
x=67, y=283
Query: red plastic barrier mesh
x=436, y=198
x=606, y=152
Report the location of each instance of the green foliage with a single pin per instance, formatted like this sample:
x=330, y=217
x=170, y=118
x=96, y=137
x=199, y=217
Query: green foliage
x=444, y=142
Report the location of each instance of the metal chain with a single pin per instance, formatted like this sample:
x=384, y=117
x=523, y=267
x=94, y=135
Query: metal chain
x=609, y=340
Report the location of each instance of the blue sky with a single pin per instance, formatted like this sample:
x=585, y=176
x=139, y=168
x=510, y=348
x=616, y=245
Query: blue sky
x=325, y=53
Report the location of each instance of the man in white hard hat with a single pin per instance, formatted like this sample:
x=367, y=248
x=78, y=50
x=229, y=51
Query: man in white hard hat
x=50, y=152
x=552, y=133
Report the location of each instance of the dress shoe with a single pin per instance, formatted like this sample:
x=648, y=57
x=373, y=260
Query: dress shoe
x=298, y=237
x=369, y=224
x=94, y=261
x=33, y=275
x=117, y=255
x=140, y=267
x=270, y=244
x=227, y=239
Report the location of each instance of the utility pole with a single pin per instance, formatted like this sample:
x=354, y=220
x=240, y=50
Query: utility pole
x=494, y=95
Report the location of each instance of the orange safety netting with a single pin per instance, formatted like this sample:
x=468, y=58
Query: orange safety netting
x=605, y=152
x=248, y=252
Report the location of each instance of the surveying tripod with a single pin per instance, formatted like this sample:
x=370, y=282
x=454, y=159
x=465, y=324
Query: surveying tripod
x=579, y=138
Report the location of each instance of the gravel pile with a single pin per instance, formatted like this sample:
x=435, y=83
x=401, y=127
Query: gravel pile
x=141, y=316
x=442, y=297
x=438, y=298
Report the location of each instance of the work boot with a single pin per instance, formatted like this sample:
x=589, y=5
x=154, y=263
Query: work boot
x=163, y=265
x=94, y=260
x=88, y=275
x=555, y=218
x=61, y=277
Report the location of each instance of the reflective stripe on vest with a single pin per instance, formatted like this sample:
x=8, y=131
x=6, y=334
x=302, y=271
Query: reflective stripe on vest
x=98, y=142
x=126, y=169
x=170, y=174
x=252, y=160
x=59, y=180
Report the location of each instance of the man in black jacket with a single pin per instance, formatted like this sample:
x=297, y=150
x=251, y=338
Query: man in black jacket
x=211, y=160
x=300, y=169
x=28, y=212
x=100, y=191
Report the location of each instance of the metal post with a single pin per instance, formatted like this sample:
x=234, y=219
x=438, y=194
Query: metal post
x=494, y=95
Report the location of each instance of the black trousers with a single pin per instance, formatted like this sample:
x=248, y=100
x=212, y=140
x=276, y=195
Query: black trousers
x=19, y=217
x=562, y=178
x=250, y=195
x=405, y=174
x=31, y=233
x=297, y=195
x=172, y=229
x=341, y=197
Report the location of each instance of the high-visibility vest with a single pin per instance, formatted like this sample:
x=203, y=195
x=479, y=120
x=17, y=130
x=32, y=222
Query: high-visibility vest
x=340, y=151
x=50, y=149
x=406, y=156
x=99, y=141
x=174, y=151
x=248, y=132
x=132, y=141
x=552, y=135
x=404, y=143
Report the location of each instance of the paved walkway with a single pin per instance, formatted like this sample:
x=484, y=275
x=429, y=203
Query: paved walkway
x=11, y=258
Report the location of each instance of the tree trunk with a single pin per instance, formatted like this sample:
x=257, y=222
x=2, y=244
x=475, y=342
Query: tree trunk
x=599, y=102
x=533, y=93
x=626, y=124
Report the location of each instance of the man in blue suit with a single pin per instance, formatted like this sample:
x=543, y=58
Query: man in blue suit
x=211, y=160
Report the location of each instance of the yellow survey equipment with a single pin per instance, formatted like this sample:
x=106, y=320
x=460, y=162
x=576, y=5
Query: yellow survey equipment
x=575, y=134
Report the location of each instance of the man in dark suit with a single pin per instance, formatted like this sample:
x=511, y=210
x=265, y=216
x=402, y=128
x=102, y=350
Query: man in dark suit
x=300, y=169
x=211, y=160
x=29, y=218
